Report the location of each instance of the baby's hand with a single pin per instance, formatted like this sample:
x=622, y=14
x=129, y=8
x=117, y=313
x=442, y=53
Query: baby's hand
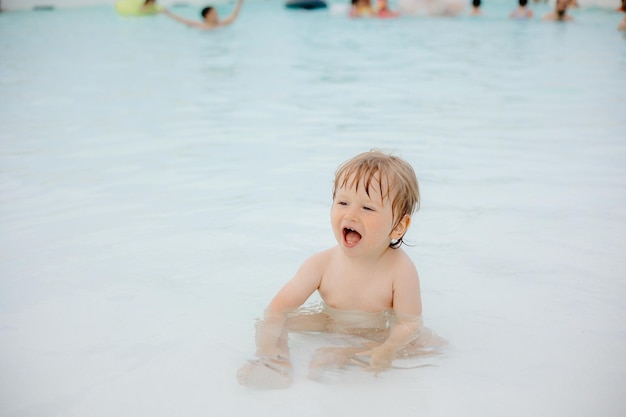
x=272, y=353
x=380, y=358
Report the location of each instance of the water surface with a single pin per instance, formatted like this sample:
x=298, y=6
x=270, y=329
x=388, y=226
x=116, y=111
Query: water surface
x=159, y=184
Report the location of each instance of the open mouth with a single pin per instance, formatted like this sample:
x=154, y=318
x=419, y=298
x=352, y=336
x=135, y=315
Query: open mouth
x=351, y=237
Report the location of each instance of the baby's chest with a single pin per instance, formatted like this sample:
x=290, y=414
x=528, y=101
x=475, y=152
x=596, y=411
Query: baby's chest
x=365, y=292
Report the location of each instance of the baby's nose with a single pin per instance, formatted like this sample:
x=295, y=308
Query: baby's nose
x=352, y=214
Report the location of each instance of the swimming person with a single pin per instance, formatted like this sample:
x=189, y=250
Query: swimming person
x=368, y=285
x=560, y=12
x=148, y=5
x=475, y=11
x=210, y=19
x=383, y=11
x=361, y=8
x=522, y=12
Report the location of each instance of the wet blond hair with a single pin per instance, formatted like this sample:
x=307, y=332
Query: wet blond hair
x=381, y=169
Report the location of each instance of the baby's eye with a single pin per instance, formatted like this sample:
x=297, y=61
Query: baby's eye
x=367, y=208
x=342, y=203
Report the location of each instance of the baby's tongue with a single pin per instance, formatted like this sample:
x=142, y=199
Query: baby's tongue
x=352, y=237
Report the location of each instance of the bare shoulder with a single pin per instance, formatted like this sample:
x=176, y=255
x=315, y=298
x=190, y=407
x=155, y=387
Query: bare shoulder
x=306, y=280
x=403, y=265
x=403, y=272
x=407, y=297
x=316, y=264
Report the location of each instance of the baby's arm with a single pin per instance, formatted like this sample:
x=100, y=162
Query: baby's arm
x=290, y=296
x=407, y=305
x=401, y=334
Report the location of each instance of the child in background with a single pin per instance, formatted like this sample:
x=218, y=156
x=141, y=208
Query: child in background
x=368, y=285
x=383, y=11
x=148, y=6
x=361, y=8
x=560, y=12
x=475, y=10
x=210, y=18
x=522, y=12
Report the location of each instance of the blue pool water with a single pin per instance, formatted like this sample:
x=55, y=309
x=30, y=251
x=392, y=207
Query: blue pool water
x=159, y=184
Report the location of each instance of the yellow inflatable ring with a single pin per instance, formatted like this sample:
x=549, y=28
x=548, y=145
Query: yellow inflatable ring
x=136, y=8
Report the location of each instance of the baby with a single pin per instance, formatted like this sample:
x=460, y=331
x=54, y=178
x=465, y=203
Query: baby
x=368, y=284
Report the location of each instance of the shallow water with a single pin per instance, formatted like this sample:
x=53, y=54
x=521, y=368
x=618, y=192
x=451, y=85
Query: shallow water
x=158, y=185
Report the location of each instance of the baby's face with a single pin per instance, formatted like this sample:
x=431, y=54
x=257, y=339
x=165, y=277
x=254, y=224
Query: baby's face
x=362, y=223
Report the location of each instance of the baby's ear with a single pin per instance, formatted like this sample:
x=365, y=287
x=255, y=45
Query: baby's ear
x=401, y=227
